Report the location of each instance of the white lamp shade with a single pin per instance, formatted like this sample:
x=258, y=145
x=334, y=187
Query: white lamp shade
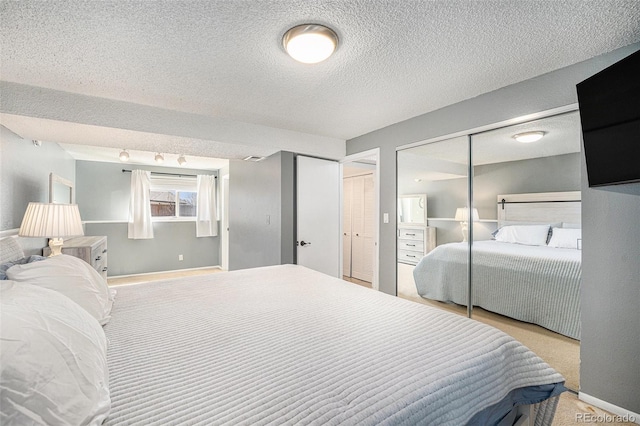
x=462, y=214
x=48, y=220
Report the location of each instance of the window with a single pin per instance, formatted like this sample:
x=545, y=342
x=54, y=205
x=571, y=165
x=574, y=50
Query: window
x=173, y=197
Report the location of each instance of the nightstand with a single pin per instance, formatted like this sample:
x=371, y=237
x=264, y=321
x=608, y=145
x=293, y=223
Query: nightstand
x=92, y=250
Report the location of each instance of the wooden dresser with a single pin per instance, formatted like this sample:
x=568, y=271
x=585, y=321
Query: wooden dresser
x=92, y=250
x=414, y=242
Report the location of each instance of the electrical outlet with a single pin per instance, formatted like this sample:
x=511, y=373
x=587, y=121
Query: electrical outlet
x=180, y=257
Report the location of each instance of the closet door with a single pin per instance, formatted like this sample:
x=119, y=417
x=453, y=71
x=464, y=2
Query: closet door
x=362, y=228
x=347, y=194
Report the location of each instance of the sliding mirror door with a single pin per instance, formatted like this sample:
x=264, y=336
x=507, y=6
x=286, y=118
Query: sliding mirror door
x=526, y=236
x=435, y=174
x=514, y=216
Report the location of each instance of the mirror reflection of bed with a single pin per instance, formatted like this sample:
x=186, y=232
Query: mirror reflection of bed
x=526, y=258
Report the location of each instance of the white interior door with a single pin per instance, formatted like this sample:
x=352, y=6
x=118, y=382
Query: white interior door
x=373, y=221
x=224, y=232
x=346, y=226
x=362, y=240
x=318, y=212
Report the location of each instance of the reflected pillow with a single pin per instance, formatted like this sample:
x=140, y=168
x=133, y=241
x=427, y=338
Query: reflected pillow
x=565, y=237
x=54, y=364
x=72, y=277
x=530, y=235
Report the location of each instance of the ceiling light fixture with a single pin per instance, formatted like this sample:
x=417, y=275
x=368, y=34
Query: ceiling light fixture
x=310, y=43
x=528, y=137
x=181, y=160
x=159, y=158
x=124, y=155
x=253, y=158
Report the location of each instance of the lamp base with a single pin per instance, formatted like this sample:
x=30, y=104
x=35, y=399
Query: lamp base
x=465, y=231
x=55, y=244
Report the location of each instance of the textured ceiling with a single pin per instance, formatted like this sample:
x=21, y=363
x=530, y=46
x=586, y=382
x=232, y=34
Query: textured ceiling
x=224, y=59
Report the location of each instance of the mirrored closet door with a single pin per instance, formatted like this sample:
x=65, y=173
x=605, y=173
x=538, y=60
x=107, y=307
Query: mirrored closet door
x=438, y=174
x=521, y=231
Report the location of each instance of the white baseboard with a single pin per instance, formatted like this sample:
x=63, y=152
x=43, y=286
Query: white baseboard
x=142, y=274
x=627, y=416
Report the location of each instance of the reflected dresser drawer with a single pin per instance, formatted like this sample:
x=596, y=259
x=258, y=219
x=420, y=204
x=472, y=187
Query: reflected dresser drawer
x=414, y=242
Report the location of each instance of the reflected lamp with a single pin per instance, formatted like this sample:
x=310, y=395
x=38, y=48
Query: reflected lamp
x=462, y=216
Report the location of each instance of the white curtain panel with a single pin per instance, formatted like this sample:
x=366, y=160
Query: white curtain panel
x=140, y=225
x=207, y=211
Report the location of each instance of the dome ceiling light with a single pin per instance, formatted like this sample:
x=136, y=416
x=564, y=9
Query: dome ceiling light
x=159, y=158
x=124, y=155
x=310, y=43
x=528, y=137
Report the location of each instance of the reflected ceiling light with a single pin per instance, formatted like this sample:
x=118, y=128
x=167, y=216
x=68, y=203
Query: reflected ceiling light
x=310, y=43
x=181, y=160
x=528, y=137
x=417, y=180
x=124, y=155
x=159, y=158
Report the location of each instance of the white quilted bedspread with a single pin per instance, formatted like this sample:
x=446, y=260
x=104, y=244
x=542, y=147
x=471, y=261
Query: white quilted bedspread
x=288, y=345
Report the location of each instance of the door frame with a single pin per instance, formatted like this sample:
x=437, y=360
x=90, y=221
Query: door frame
x=224, y=223
x=375, y=152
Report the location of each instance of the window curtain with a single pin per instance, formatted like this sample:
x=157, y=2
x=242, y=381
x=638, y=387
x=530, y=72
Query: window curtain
x=206, y=211
x=140, y=225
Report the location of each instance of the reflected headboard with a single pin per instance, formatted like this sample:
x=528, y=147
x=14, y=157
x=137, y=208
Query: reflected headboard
x=542, y=207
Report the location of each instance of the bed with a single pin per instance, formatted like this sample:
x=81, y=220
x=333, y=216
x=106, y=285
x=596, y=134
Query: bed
x=288, y=345
x=538, y=283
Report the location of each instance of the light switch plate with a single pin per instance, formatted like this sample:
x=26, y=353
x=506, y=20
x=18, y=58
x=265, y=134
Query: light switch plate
x=385, y=217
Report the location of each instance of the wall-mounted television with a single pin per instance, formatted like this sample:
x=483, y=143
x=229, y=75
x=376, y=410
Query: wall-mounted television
x=609, y=104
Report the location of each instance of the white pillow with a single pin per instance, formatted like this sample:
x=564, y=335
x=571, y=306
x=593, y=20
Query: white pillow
x=72, y=277
x=565, y=237
x=53, y=364
x=531, y=235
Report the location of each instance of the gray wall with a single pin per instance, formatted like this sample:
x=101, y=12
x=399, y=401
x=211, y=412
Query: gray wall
x=24, y=172
x=262, y=212
x=610, y=345
x=102, y=193
x=617, y=382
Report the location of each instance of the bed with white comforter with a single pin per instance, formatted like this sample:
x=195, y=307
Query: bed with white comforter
x=274, y=345
x=288, y=345
x=536, y=284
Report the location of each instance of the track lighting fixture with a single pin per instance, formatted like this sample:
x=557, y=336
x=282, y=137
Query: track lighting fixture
x=124, y=155
x=159, y=158
x=181, y=160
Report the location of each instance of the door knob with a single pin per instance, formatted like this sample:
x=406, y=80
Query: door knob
x=304, y=243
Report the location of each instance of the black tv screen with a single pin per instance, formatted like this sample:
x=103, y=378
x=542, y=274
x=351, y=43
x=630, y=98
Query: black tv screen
x=609, y=104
